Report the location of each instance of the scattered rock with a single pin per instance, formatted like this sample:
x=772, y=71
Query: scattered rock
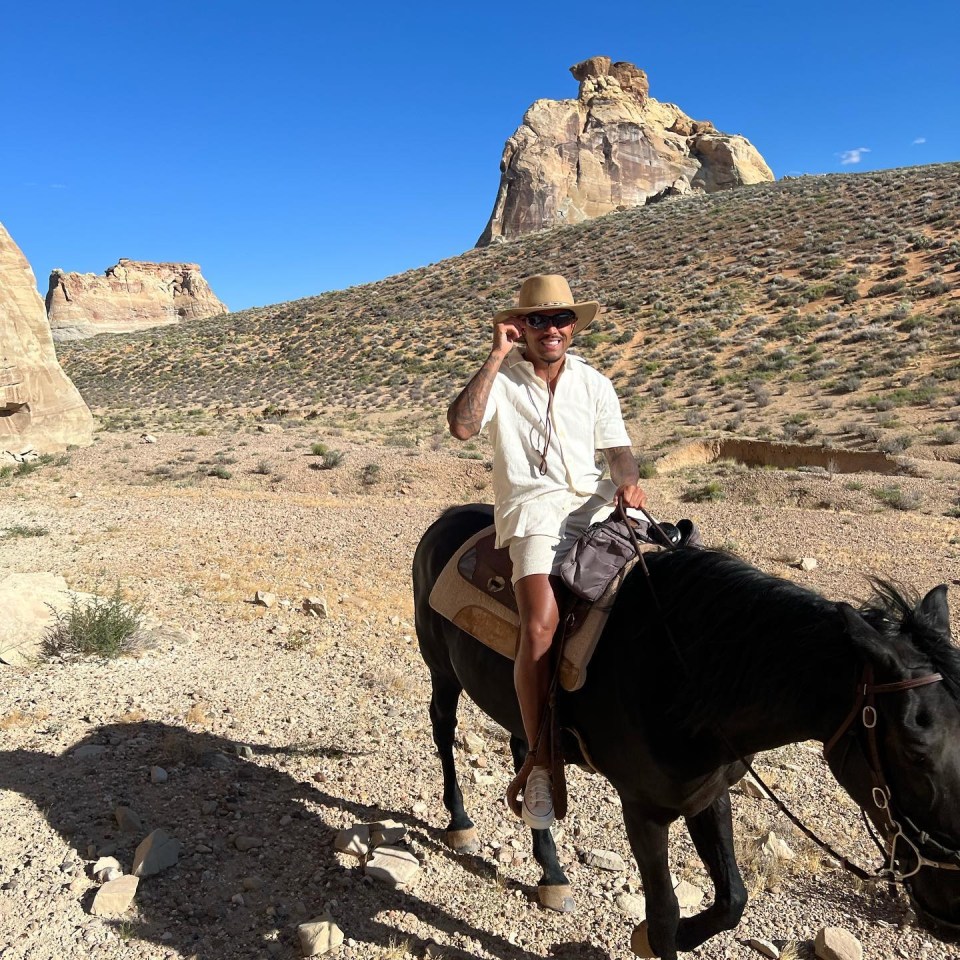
x=156, y=852
x=688, y=896
x=750, y=788
x=114, y=897
x=315, y=606
x=147, y=438
x=631, y=905
x=386, y=833
x=158, y=775
x=604, y=860
x=128, y=820
x=104, y=866
x=393, y=866
x=807, y=563
x=216, y=760
x=473, y=744
x=772, y=846
x=243, y=844
x=765, y=948
x=835, y=943
x=319, y=936
x=264, y=599
x=354, y=841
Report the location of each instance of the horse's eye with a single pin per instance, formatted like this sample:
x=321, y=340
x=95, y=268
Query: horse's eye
x=923, y=719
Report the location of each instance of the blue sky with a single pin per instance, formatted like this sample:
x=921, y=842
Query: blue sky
x=296, y=147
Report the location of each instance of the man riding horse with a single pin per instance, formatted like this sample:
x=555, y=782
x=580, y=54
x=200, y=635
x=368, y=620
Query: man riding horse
x=548, y=413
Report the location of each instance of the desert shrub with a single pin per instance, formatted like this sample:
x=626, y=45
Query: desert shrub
x=220, y=472
x=99, y=626
x=318, y=449
x=848, y=384
x=946, y=435
x=646, y=469
x=708, y=491
x=370, y=474
x=25, y=530
x=895, y=497
x=329, y=460
x=264, y=468
x=896, y=444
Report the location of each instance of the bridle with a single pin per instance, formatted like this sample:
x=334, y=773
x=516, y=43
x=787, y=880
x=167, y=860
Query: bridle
x=898, y=830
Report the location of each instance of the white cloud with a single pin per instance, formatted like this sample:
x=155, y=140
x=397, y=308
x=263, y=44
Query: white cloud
x=853, y=156
x=920, y=140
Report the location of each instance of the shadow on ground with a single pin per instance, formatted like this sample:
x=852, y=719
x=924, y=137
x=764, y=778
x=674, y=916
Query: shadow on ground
x=211, y=798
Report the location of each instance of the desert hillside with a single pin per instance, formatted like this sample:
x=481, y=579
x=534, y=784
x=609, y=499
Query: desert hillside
x=821, y=309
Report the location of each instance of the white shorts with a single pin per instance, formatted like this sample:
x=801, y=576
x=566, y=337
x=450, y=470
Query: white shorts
x=542, y=553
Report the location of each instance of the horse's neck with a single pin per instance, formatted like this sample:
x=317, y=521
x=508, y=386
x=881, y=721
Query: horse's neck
x=806, y=698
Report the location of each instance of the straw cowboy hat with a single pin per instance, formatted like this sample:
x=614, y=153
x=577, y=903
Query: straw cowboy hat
x=549, y=292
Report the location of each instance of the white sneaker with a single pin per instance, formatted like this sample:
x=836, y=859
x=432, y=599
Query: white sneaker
x=538, y=799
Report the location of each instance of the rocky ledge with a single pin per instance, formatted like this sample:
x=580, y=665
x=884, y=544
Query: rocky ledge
x=131, y=295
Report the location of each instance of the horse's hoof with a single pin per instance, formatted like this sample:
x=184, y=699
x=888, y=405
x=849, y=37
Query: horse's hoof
x=640, y=941
x=463, y=841
x=558, y=896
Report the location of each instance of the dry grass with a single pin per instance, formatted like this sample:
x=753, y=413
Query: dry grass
x=136, y=715
x=197, y=715
x=18, y=718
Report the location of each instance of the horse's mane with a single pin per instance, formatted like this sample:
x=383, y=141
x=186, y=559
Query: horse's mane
x=748, y=635
x=742, y=632
x=893, y=610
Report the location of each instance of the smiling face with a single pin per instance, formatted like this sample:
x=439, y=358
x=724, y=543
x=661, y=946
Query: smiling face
x=547, y=346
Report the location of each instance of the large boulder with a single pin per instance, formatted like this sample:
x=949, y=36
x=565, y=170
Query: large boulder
x=131, y=295
x=39, y=407
x=612, y=148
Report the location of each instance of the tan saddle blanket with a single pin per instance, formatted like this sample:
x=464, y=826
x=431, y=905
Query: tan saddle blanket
x=475, y=592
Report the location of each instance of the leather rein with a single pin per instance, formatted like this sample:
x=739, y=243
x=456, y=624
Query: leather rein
x=882, y=796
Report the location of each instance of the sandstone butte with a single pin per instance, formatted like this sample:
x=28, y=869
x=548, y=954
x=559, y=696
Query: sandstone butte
x=40, y=408
x=612, y=148
x=131, y=295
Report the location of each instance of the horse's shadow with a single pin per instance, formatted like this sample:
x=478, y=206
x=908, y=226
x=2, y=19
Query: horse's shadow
x=219, y=901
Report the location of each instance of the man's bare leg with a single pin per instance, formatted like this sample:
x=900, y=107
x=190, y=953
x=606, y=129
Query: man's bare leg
x=539, y=616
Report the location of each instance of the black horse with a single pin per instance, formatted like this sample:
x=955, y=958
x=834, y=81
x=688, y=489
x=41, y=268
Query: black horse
x=741, y=661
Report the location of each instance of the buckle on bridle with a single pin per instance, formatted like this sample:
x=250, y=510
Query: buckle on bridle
x=871, y=713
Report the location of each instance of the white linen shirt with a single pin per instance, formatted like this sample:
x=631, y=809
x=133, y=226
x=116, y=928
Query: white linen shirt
x=586, y=417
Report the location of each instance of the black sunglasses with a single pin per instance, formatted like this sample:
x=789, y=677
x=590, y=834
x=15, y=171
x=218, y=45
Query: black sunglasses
x=540, y=321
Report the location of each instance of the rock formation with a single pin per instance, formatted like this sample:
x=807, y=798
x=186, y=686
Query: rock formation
x=132, y=295
x=40, y=408
x=612, y=148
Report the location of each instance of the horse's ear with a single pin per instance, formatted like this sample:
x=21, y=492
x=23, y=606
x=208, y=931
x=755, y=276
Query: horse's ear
x=932, y=611
x=868, y=642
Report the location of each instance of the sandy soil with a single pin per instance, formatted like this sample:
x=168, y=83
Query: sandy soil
x=335, y=710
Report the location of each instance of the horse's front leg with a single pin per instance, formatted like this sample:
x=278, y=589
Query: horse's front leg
x=712, y=833
x=554, y=889
x=461, y=834
x=657, y=935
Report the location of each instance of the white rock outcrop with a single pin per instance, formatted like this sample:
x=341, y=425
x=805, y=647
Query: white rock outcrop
x=40, y=408
x=612, y=148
